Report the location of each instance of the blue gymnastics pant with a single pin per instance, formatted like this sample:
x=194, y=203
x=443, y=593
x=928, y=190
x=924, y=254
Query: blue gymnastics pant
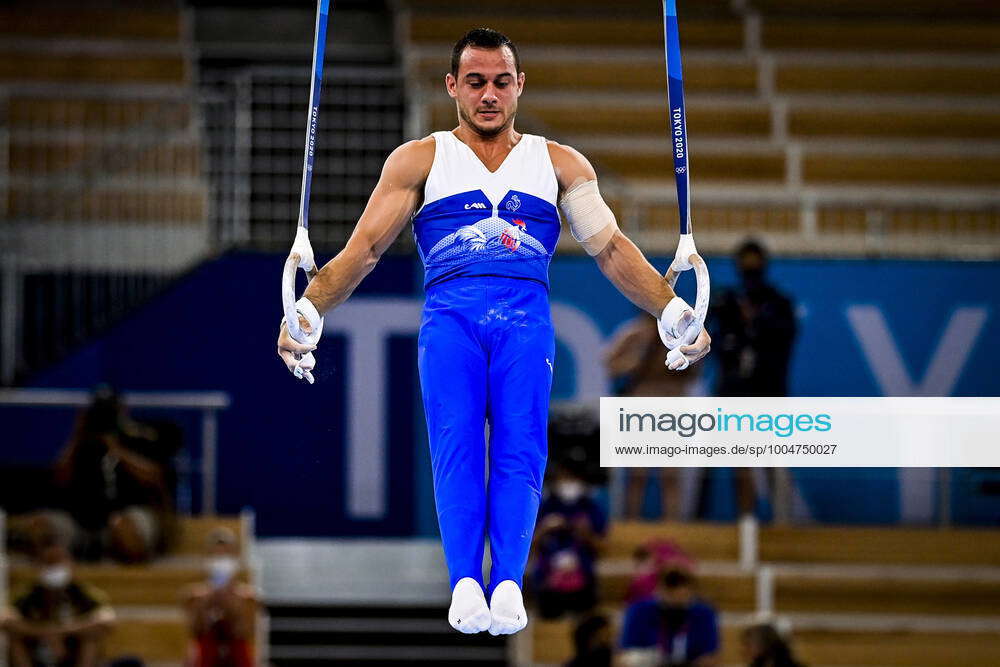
x=485, y=353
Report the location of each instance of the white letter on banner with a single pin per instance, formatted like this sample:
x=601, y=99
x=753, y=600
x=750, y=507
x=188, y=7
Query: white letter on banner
x=368, y=323
x=577, y=331
x=887, y=366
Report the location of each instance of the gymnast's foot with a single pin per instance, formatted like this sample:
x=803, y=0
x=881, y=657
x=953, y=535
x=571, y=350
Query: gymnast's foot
x=507, y=609
x=468, y=612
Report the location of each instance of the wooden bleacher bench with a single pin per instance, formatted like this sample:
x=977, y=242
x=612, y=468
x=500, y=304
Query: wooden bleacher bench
x=40, y=156
x=884, y=168
x=875, y=35
x=895, y=123
x=899, y=8
x=193, y=533
x=576, y=31
x=111, y=203
x=156, y=636
x=136, y=23
x=914, y=222
x=900, y=546
x=30, y=112
x=887, y=594
x=591, y=7
x=883, y=79
x=897, y=648
x=90, y=68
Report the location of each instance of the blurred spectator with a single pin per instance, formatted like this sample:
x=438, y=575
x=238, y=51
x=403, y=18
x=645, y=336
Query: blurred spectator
x=58, y=621
x=592, y=643
x=753, y=326
x=764, y=647
x=754, y=330
x=650, y=562
x=116, y=480
x=569, y=536
x=634, y=359
x=222, y=611
x=672, y=627
x=574, y=432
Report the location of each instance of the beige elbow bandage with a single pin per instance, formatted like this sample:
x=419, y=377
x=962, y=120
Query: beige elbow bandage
x=590, y=220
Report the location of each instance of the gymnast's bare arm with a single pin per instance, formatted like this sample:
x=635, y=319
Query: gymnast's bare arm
x=393, y=202
x=619, y=258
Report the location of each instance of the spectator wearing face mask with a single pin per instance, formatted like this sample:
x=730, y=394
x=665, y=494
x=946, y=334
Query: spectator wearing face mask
x=650, y=561
x=59, y=621
x=753, y=326
x=672, y=628
x=222, y=611
x=569, y=536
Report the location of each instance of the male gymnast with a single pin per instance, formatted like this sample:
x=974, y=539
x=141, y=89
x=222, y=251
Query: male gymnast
x=484, y=202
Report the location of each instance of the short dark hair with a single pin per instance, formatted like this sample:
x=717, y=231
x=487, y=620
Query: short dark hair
x=483, y=38
x=752, y=247
x=673, y=579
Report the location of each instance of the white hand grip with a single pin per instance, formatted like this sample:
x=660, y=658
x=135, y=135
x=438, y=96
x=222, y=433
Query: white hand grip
x=687, y=257
x=703, y=284
x=288, y=296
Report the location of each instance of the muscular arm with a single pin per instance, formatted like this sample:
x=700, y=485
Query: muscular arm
x=629, y=270
x=391, y=205
x=620, y=260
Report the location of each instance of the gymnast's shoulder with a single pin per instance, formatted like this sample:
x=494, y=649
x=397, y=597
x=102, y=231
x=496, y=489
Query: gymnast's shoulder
x=571, y=166
x=411, y=161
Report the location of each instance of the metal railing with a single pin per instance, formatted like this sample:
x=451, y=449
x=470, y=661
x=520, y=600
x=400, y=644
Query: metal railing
x=255, y=127
x=207, y=403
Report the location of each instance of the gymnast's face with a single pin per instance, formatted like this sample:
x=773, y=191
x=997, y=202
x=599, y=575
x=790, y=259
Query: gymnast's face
x=486, y=89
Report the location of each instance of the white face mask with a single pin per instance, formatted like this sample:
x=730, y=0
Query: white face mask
x=571, y=490
x=55, y=577
x=221, y=570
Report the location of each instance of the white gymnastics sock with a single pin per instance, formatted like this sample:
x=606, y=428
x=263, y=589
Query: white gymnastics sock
x=507, y=609
x=468, y=612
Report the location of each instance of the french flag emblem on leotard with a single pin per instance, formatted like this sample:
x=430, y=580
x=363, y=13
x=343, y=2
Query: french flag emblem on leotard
x=511, y=237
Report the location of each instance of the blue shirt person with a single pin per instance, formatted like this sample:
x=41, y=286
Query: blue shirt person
x=681, y=628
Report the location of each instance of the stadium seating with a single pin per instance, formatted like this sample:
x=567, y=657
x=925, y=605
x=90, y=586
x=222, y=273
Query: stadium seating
x=101, y=142
x=140, y=23
x=816, y=116
x=147, y=598
x=851, y=595
x=562, y=30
